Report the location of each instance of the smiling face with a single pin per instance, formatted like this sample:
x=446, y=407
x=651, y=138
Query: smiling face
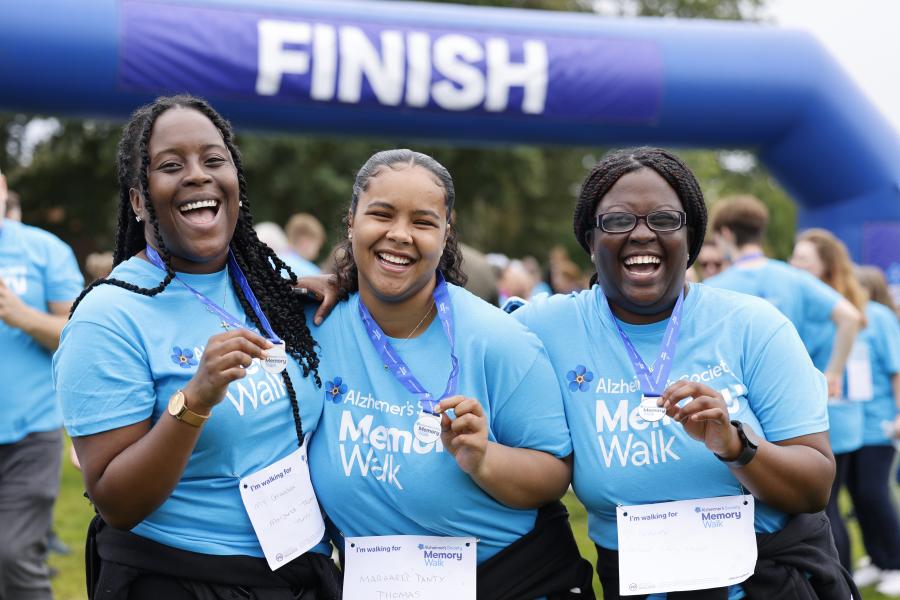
x=642, y=271
x=193, y=185
x=399, y=231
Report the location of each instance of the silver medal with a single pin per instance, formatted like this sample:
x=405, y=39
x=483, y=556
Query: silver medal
x=427, y=428
x=649, y=411
x=275, y=360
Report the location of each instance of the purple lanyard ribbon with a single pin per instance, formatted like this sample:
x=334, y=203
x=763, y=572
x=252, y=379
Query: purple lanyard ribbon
x=395, y=364
x=652, y=380
x=217, y=310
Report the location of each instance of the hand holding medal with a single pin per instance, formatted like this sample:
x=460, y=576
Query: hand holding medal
x=465, y=436
x=705, y=417
x=225, y=359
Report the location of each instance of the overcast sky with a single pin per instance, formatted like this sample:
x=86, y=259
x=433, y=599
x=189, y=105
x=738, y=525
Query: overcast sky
x=864, y=36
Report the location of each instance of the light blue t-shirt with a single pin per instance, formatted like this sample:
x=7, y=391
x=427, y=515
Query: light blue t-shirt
x=801, y=297
x=373, y=477
x=39, y=268
x=299, y=265
x=845, y=417
x=734, y=343
x=882, y=336
x=122, y=357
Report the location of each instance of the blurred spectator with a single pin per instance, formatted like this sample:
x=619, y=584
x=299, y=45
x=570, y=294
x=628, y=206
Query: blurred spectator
x=98, y=265
x=710, y=261
x=13, y=206
x=534, y=267
x=482, y=282
x=566, y=277
x=305, y=235
x=515, y=281
x=273, y=236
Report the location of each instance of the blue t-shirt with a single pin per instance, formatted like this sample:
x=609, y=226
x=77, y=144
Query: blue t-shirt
x=121, y=358
x=732, y=342
x=39, y=268
x=882, y=336
x=845, y=417
x=373, y=477
x=299, y=265
x=801, y=297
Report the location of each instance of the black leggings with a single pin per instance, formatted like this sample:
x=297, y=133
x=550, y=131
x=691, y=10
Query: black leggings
x=154, y=587
x=868, y=481
x=838, y=528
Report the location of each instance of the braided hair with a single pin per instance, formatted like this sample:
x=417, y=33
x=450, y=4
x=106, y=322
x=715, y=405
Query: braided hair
x=261, y=266
x=450, y=263
x=618, y=163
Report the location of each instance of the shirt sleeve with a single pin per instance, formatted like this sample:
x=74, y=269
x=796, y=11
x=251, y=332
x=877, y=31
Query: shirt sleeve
x=890, y=343
x=103, y=380
x=64, y=280
x=819, y=299
x=786, y=392
x=532, y=415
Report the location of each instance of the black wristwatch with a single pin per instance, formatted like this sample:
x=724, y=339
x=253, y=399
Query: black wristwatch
x=748, y=449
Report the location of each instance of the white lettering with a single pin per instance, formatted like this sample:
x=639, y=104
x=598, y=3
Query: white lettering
x=502, y=75
x=274, y=59
x=360, y=58
x=453, y=55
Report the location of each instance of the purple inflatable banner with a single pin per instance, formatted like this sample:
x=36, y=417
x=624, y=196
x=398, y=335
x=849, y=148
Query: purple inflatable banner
x=288, y=58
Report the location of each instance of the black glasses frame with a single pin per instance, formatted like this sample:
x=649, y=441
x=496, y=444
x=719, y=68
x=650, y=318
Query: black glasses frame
x=598, y=220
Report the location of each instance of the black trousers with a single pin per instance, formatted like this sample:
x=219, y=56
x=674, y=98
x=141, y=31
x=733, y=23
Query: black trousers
x=868, y=481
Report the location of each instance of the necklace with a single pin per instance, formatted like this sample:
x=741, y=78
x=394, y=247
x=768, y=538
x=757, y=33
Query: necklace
x=415, y=329
x=222, y=322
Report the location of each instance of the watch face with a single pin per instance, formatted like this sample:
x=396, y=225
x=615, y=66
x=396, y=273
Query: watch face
x=176, y=404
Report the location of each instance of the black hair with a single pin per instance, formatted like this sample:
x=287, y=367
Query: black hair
x=260, y=264
x=618, y=163
x=451, y=260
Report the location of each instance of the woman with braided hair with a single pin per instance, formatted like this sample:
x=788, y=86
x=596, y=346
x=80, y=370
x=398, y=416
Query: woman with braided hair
x=729, y=416
x=201, y=379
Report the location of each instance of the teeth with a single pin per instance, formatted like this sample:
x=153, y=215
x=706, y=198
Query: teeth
x=199, y=204
x=642, y=260
x=394, y=260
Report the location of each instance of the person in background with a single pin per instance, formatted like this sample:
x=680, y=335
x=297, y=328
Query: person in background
x=821, y=254
x=13, y=206
x=566, y=277
x=515, y=281
x=730, y=404
x=480, y=278
x=739, y=227
x=537, y=274
x=868, y=474
x=305, y=236
x=710, y=261
x=98, y=265
x=39, y=280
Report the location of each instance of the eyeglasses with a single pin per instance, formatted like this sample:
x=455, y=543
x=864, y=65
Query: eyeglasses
x=623, y=222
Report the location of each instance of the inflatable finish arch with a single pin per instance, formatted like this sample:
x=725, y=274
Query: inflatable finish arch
x=437, y=71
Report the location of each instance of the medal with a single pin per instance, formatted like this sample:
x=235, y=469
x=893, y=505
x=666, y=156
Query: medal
x=427, y=428
x=649, y=411
x=275, y=360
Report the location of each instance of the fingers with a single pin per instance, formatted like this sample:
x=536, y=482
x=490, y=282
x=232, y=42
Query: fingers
x=682, y=389
x=241, y=336
x=461, y=406
x=700, y=404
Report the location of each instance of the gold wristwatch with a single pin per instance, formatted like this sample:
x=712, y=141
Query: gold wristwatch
x=179, y=410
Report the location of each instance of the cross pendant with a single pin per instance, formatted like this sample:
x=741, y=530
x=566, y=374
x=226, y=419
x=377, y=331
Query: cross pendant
x=224, y=325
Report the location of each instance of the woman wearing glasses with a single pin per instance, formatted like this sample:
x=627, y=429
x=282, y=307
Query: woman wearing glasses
x=683, y=392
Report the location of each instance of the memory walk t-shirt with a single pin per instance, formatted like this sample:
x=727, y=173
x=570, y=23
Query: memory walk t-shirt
x=882, y=336
x=371, y=474
x=734, y=343
x=802, y=298
x=39, y=268
x=122, y=357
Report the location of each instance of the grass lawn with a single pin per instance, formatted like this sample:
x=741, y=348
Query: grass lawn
x=73, y=514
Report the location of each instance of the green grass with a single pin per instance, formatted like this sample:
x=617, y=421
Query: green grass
x=73, y=513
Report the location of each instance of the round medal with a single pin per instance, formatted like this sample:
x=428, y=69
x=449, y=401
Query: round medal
x=427, y=428
x=649, y=411
x=275, y=360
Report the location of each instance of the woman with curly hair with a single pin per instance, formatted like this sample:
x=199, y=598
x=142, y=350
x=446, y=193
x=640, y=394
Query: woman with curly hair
x=182, y=399
x=443, y=416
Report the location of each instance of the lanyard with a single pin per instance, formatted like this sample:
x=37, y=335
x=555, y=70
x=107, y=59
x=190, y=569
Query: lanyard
x=395, y=364
x=217, y=310
x=653, y=379
x=748, y=258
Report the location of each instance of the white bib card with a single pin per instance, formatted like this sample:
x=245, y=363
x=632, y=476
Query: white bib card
x=859, y=374
x=685, y=545
x=283, y=508
x=409, y=566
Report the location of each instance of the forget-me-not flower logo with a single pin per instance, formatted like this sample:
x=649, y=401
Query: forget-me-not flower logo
x=335, y=389
x=579, y=379
x=183, y=357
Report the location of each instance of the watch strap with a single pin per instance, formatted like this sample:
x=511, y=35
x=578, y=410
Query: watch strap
x=186, y=415
x=748, y=449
